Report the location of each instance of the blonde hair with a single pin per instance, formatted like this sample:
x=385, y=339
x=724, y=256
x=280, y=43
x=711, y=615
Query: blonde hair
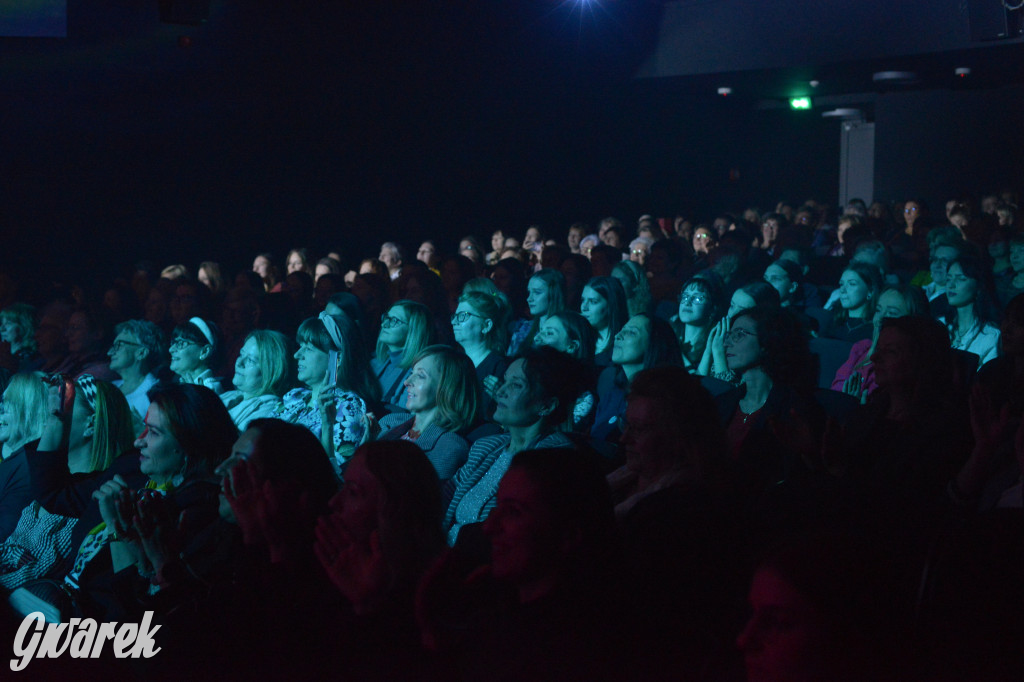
x=25, y=400
x=458, y=391
x=112, y=426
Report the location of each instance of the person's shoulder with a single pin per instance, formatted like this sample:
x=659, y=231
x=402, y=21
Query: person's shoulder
x=489, y=443
x=555, y=440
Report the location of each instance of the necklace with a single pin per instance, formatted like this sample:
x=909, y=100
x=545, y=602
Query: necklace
x=748, y=415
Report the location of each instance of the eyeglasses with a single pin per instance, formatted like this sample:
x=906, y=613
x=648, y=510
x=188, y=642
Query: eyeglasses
x=911, y=209
x=702, y=236
x=118, y=344
x=389, y=321
x=182, y=342
x=739, y=334
x=461, y=317
x=695, y=299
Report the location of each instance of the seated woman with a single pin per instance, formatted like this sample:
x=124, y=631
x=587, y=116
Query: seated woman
x=972, y=308
x=22, y=415
x=197, y=348
x=770, y=353
x=859, y=286
x=389, y=507
x=545, y=296
x=188, y=433
x=905, y=444
x=509, y=277
x=444, y=398
x=755, y=294
x=633, y=279
x=570, y=333
x=644, y=342
x=262, y=375
x=856, y=376
x=534, y=401
x=701, y=305
x=90, y=433
x=405, y=330
x=17, y=328
x=480, y=324
x=334, y=370
x=604, y=305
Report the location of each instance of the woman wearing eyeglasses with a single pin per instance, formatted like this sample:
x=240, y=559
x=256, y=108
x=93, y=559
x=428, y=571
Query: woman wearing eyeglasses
x=773, y=425
x=197, y=348
x=480, y=324
x=405, y=330
x=443, y=399
x=701, y=304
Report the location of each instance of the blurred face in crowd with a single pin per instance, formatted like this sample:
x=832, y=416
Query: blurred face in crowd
x=427, y=254
x=295, y=263
x=942, y=256
x=125, y=352
x=777, y=276
x=389, y=257
x=892, y=359
x=739, y=302
x=890, y=304
x=531, y=239
x=497, y=240
x=1017, y=257
x=261, y=266
x=575, y=235
x=468, y=325
x=702, y=240
x=782, y=641
x=770, y=231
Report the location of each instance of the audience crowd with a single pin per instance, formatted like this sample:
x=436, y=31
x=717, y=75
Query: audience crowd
x=782, y=445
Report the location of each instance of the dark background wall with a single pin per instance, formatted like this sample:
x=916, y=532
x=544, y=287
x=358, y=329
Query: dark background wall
x=932, y=144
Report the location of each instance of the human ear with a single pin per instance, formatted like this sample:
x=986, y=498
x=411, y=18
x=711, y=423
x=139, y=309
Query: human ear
x=487, y=326
x=90, y=427
x=572, y=347
x=204, y=352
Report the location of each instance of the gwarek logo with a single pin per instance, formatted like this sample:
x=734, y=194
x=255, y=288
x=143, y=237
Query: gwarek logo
x=81, y=638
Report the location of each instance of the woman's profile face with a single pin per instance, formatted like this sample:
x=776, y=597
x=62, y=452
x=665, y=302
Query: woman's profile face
x=632, y=341
x=537, y=297
x=395, y=328
x=9, y=331
x=161, y=456
x=472, y=327
x=525, y=543
x=422, y=385
x=261, y=266
x=7, y=416
x=497, y=240
x=892, y=359
x=853, y=291
x=204, y=278
x=961, y=290
x=515, y=403
x=693, y=305
x=186, y=355
x=742, y=347
x=594, y=308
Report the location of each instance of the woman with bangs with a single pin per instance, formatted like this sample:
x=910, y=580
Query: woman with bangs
x=83, y=443
x=197, y=347
x=262, y=376
x=972, y=308
x=330, y=362
x=405, y=330
x=701, y=305
x=22, y=415
x=444, y=398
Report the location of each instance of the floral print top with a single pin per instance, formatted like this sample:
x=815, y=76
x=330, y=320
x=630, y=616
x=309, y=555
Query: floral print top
x=350, y=427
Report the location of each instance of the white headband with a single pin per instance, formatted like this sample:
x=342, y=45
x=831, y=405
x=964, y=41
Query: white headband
x=203, y=327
